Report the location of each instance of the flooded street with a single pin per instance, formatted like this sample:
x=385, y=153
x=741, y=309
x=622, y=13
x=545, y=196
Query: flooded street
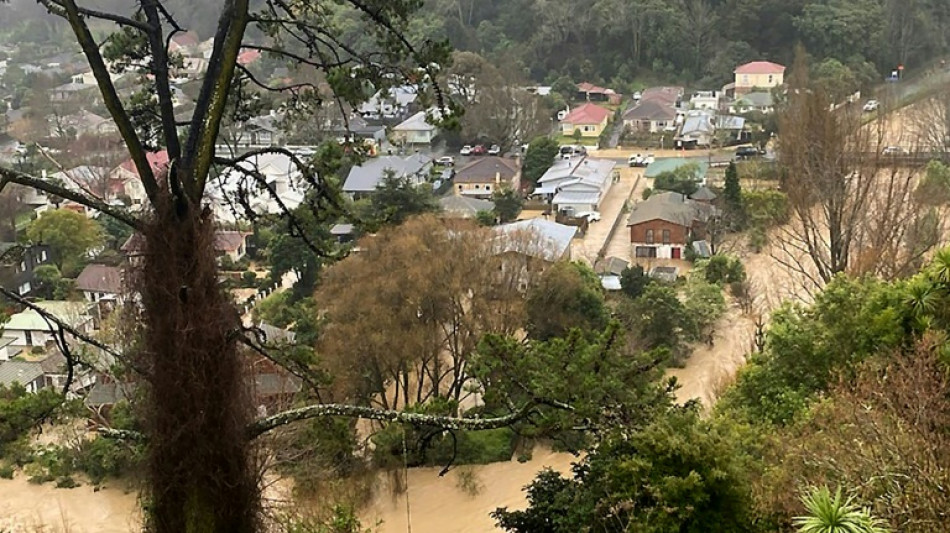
x=26, y=507
x=439, y=505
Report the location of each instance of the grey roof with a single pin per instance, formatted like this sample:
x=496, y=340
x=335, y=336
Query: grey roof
x=612, y=265
x=275, y=335
x=464, y=207
x=671, y=207
x=342, y=229
x=698, y=122
x=664, y=273
x=730, y=122
x=108, y=393
x=100, y=278
x=650, y=110
x=366, y=177
x=417, y=122
x=21, y=372
x=702, y=248
x=545, y=239
x=703, y=193
x=757, y=99
x=576, y=197
x=485, y=169
x=274, y=384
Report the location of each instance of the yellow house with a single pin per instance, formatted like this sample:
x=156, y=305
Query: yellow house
x=590, y=119
x=758, y=75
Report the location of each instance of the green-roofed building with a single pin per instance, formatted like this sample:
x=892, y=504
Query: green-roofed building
x=669, y=164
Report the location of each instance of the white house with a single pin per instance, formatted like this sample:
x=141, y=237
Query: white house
x=415, y=130
x=705, y=100
x=29, y=328
x=577, y=185
x=393, y=103
x=269, y=183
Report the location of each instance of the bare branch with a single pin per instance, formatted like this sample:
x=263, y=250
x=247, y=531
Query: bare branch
x=199, y=151
x=12, y=176
x=111, y=98
x=162, y=87
x=57, y=7
x=49, y=317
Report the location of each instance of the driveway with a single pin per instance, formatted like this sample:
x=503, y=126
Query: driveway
x=611, y=214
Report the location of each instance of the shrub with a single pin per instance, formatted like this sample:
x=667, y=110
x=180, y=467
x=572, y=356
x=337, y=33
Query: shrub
x=66, y=482
x=724, y=269
x=101, y=458
x=6, y=471
x=249, y=279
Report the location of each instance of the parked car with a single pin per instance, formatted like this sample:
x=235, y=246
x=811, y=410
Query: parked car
x=871, y=105
x=893, y=150
x=446, y=161
x=466, y=150
x=637, y=160
x=478, y=149
x=570, y=150
x=745, y=152
x=494, y=150
x=591, y=216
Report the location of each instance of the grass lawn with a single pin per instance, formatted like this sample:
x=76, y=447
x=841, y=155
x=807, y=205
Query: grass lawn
x=569, y=139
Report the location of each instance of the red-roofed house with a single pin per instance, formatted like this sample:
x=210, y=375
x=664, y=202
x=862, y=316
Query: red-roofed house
x=590, y=119
x=758, y=75
x=593, y=93
x=124, y=179
x=184, y=43
x=246, y=57
x=231, y=243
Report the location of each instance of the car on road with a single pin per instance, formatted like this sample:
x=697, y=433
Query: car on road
x=494, y=150
x=871, y=105
x=640, y=160
x=466, y=150
x=591, y=216
x=893, y=150
x=445, y=161
x=478, y=149
x=745, y=152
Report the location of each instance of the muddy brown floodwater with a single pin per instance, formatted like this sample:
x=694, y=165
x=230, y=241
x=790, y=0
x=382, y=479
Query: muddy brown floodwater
x=26, y=507
x=439, y=505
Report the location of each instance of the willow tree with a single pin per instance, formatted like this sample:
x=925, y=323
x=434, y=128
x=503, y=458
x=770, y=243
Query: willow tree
x=199, y=428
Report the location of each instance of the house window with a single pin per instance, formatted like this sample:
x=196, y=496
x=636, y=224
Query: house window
x=588, y=128
x=649, y=236
x=745, y=79
x=460, y=187
x=43, y=256
x=29, y=337
x=22, y=267
x=646, y=251
x=477, y=186
x=25, y=288
x=666, y=236
x=487, y=187
x=770, y=78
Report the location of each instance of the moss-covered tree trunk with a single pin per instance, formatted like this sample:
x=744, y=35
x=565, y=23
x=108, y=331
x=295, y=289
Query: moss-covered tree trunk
x=201, y=476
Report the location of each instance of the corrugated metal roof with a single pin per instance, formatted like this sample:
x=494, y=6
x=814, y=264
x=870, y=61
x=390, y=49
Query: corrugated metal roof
x=21, y=372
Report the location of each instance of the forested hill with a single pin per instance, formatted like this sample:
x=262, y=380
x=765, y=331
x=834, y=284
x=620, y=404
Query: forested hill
x=616, y=41
x=619, y=42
